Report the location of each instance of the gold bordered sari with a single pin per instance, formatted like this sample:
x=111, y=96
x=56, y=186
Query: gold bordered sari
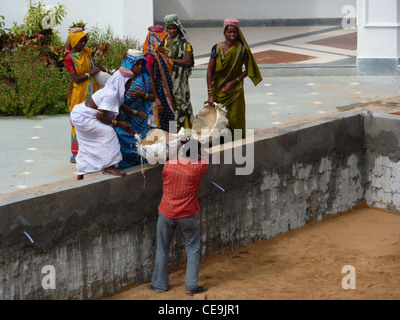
x=79, y=92
x=228, y=67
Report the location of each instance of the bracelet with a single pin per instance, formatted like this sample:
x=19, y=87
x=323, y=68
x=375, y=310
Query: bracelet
x=114, y=122
x=88, y=75
x=146, y=96
x=238, y=79
x=210, y=94
x=135, y=112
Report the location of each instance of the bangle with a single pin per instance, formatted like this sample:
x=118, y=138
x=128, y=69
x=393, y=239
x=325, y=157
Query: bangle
x=238, y=79
x=114, y=122
x=135, y=112
x=146, y=96
x=210, y=94
x=88, y=75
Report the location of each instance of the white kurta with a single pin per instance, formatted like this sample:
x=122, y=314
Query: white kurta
x=98, y=143
x=99, y=146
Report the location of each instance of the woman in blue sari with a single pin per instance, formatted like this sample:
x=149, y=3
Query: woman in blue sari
x=136, y=108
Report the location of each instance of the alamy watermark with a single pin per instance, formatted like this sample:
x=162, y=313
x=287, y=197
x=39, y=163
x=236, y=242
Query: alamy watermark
x=349, y=20
x=349, y=281
x=234, y=149
x=49, y=280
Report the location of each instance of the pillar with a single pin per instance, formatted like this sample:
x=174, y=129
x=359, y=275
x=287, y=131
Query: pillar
x=378, y=36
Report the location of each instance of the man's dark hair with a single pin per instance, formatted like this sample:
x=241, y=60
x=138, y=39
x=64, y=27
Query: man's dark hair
x=192, y=149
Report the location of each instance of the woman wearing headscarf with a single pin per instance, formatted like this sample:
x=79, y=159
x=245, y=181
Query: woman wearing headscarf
x=225, y=75
x=160, y=65
x=99, y=148
x=180, y=51
x=79, y=62
x=136, y=108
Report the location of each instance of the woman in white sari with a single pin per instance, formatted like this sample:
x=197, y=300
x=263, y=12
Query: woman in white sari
x=94, y=121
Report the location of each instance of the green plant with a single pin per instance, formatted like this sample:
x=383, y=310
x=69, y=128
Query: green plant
x=31, y=85
x=2, y=24
x=79, y=24
x=40, y=17
x=34, y=80
x=108, y=49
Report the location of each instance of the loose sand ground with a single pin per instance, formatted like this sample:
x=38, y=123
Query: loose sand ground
x=305, y=263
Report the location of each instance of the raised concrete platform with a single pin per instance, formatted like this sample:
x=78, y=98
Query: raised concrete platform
x=99, y=234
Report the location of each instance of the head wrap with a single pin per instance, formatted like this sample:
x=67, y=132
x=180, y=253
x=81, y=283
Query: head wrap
x=132, y=58
x=253, y=70
x=154, y=38
x=74, y=37
x=111, y=96
x=231, y=22
x=173, y=19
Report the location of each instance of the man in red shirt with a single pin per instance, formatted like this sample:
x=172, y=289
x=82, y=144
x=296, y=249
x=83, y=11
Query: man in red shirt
x=178, y=208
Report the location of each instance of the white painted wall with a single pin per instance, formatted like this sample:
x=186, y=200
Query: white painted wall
x=126, y=17
x=378, y=28
x=250, y=9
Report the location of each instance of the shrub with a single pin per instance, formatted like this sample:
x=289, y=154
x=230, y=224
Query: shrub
x=108, y=49
x=31, y=85
x=34, y=80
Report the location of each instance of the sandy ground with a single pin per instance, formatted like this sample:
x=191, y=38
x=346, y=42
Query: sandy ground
x=305, y=263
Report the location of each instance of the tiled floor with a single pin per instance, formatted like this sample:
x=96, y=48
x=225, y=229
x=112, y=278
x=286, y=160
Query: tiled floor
x=35, y=152
x=272, y=45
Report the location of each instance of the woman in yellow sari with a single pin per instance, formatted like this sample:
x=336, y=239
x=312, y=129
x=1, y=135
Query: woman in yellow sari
x=225, y=75
x=82, y=68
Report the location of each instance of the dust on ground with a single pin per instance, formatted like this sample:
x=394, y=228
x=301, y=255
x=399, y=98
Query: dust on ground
x=304, y=263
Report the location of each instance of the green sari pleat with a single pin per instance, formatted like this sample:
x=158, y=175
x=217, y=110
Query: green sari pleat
x=229, y=66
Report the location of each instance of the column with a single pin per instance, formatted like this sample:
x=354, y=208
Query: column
x=378, y=37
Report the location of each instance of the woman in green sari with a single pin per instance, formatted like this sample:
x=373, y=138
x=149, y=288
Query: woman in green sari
x=225, y=75
x=181, y=53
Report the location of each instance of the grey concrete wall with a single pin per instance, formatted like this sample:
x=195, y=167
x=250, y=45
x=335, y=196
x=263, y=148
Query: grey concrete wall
x=99, y=234
x=382, y=163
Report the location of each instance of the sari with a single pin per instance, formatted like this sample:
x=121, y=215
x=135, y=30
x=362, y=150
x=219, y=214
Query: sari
x=162, y=75
x=229, y=66
x=176, y=50
x=81, y=62
x=128, y=143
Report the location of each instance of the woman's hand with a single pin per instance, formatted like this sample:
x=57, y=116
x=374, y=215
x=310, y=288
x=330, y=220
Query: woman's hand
x=125, y=126
x=94, y=71
x=141, y=115
x=211, y=100
x=229, y=86
x=137, y=94
x=159, y=106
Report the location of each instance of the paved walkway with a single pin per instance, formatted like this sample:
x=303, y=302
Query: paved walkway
x=35, y=152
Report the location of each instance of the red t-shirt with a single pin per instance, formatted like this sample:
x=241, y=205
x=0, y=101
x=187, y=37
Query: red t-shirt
x=181, y=183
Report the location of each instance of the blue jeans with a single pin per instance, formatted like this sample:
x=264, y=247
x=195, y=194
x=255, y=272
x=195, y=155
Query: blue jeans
x=190, y=231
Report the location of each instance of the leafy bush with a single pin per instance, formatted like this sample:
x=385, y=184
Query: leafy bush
x=108, y=49
x=34, y=80
x=31, y=85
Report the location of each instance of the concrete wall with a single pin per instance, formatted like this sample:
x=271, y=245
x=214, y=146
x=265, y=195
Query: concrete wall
x=382, y=162
x=99, y=233
x=270, y=12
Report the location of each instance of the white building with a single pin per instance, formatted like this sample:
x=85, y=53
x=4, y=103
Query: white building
x=378, y=22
